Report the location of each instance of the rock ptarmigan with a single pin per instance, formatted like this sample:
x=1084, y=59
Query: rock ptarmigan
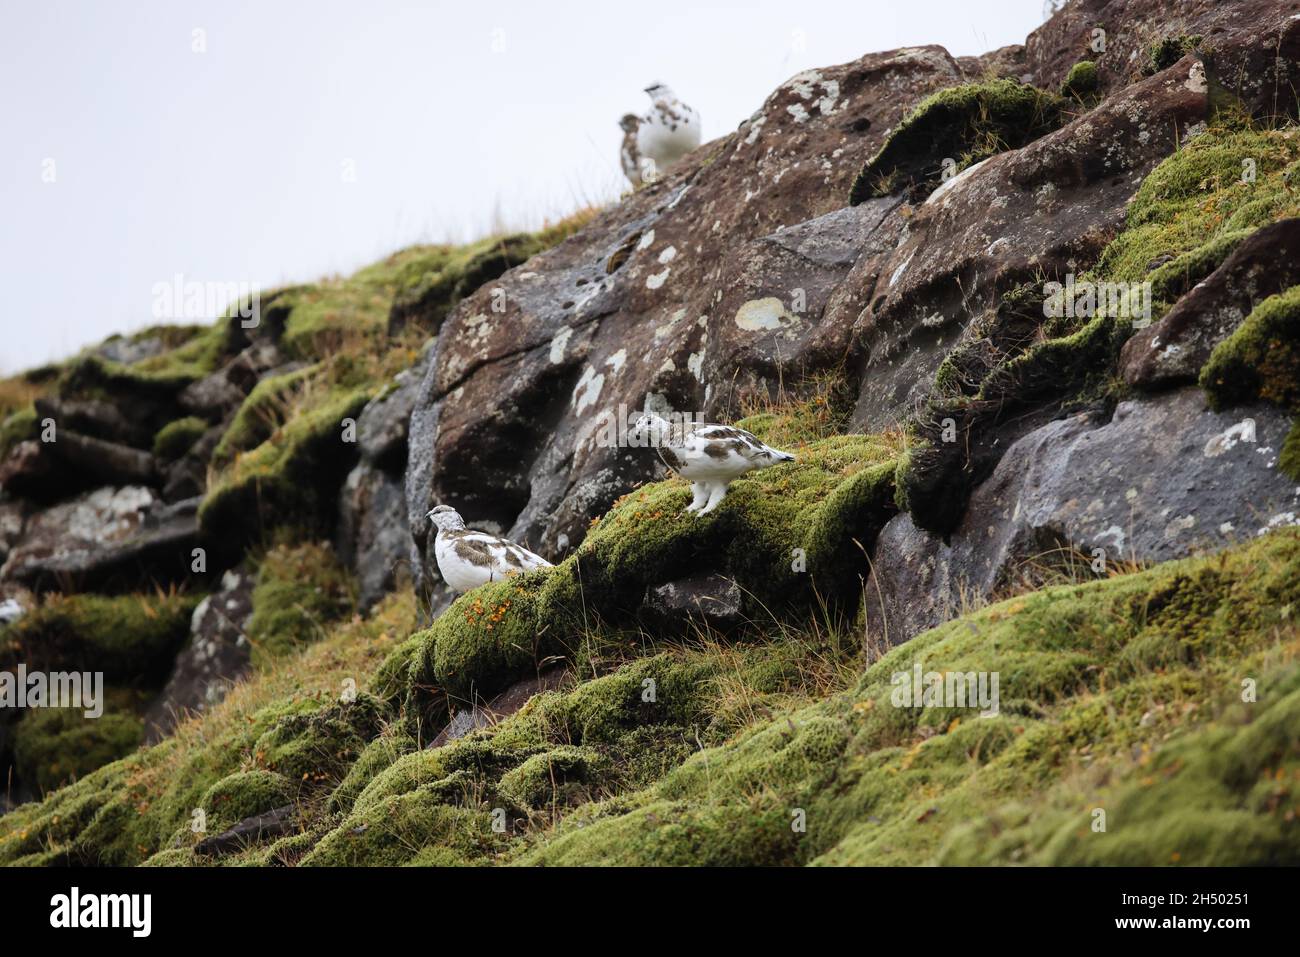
x=468, y=558
x=667, y=133
x=629, y=156
x=711, y=456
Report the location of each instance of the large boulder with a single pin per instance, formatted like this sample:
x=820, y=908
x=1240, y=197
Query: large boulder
x=1162, y=479
x=718, y=282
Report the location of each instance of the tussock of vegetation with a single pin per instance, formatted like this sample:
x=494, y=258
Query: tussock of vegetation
x=965, y=124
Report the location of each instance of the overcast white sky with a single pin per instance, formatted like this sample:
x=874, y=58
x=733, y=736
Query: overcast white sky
x=229, y=165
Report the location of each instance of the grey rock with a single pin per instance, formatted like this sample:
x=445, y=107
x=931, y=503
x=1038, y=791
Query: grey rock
x=96, y=418
x=108, y=537
x=501, y=706
x=713, y=601
x=128, y=351
x=217, y=655
x=1163, y=479
x=274, y=823
x=383, y=424
x=103, y=462
x=374, y=540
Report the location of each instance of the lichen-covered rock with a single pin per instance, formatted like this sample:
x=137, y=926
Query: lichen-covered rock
x=690, y=293
x=122, y=536
x=1164, y=478
x=217, y=655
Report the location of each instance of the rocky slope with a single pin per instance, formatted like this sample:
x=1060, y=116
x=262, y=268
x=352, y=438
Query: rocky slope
x=1085, y=492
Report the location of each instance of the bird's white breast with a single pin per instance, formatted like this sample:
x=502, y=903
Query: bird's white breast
x=456, y=571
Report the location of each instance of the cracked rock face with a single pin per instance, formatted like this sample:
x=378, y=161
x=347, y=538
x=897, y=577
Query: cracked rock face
x=1163, y=479
x=708, y=286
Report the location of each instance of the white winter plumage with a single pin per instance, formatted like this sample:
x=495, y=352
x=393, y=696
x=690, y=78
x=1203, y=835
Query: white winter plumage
x=711, y=456
x=467, y=558
x=668, y=132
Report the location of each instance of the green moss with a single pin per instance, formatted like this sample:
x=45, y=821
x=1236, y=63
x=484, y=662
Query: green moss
x=130, y=638
x=1198, y=197
x=1289, y=459
x=378, y=756
x=1167, y=51
x=786, y=535
x=393, y=832
x=290, y=480
x=53, y=746
x=560, y=776
x=263, y=412
x=175, y=438
x=1113, y=694
x=1261, y=359
x=245, y=794
x=966, y=124
x=317, y=748
x=1082, y=82
x=18, y=427
x=1124, y=694
x=430, y=288
x=300, y=591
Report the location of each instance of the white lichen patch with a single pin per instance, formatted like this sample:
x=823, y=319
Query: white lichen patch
x=668, y=255
x=655, y=280
x=1243, y=431
x=477, y=328
x=617, y=360
x=559, y=343
x=587, y=391
x=764, y=315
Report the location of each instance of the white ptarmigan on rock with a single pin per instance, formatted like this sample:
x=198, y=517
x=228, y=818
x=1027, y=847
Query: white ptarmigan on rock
x=711, y=456
x=667, y=133
x=468, y=558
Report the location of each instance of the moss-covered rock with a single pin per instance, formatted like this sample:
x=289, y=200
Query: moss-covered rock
x=318, y=747
x=175, y=438
x=1261, y=359
x=783, y=534
x=19, y=426
x=245, y=794
x=132, y=639
x=1082, y=82
x=1167, y=51
x=1188, y=214
x=964, y=124
x=290, y=480
x=53, y=746
x=265, y=409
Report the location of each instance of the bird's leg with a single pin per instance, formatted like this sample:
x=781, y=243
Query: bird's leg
x=716, y=493
x=700, y=495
